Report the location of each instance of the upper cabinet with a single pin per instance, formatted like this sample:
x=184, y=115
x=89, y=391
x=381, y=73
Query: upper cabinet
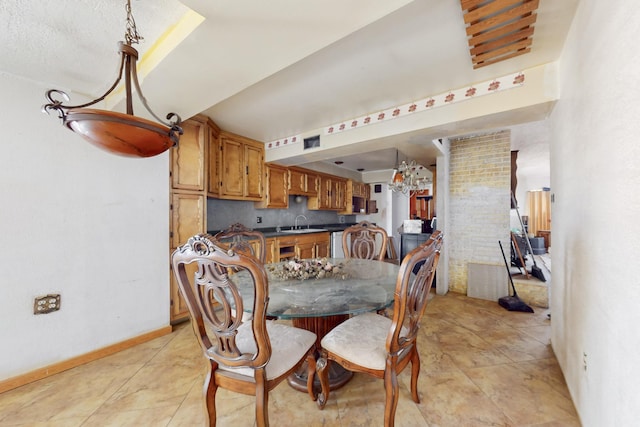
x=302, y=182
x=188, y=158
x=357, y=197
x=276, y=188
x=331, y=193
x=240, y=168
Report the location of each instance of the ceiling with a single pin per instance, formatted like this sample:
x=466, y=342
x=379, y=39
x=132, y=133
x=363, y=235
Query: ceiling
x=268, y=70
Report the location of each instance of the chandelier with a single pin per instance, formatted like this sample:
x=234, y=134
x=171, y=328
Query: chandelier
x=409, y=178
x=119, y=133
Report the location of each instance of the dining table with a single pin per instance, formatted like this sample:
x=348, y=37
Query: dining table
x=318, y=294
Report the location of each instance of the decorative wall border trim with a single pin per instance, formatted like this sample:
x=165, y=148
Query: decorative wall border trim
x=446, y=98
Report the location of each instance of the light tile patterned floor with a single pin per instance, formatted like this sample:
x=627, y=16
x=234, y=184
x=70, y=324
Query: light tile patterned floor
x=481, y=366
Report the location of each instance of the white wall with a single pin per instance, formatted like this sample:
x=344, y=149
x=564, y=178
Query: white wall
x=534, y=164
x=595, y=176
x=80, y=222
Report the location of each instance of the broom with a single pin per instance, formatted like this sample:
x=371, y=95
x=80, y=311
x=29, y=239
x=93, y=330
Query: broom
x=535, y=270
x=513, y=302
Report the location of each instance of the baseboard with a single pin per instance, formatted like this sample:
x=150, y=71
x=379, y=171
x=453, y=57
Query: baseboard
x=38, y=374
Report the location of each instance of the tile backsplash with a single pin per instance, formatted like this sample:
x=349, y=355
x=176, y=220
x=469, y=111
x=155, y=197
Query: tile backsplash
x=222, y=213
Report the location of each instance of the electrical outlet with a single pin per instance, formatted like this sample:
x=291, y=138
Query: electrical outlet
x=46, y=304
x=259, y=220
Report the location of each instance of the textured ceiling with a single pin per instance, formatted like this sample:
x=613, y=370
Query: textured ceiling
x=270, y=69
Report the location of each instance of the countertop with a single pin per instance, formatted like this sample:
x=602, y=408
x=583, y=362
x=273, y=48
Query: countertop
x=272, y=232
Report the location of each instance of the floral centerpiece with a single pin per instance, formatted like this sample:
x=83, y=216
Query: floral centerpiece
x=306, y=269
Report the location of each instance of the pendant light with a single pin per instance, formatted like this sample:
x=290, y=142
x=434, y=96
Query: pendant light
x=409, y=178
x=119, y=133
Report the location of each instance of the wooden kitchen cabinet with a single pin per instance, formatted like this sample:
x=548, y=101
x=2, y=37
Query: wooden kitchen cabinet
x=331, y=194
x=188, y=217
x=188, y=158
x=305, y=249
x=188, y=180
x=241, y=168
x=272, y=244
x=276, y=188
x=312, y=245
x=338, y=196
x=302, y=182
x=356, y=198
x=323, y=245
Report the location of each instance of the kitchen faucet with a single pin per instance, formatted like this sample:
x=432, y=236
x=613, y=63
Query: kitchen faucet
x=296, y=221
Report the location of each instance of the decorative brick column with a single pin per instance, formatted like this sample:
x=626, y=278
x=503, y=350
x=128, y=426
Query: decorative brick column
x=480, y=180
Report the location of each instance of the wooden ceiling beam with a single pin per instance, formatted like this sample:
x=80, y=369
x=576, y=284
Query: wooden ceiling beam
x=492, y=8
x=503, y=30
x=502, y=51
x=471, y=4
x=496, y=20
x=503, y=41
x=502, y=58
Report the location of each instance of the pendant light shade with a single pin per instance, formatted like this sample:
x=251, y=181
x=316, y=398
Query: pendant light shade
x=119, y=133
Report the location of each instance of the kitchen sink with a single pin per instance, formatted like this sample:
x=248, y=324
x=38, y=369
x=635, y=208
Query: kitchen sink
x=304, y=230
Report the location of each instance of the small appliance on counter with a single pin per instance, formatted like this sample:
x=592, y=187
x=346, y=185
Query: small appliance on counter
x=412, y=226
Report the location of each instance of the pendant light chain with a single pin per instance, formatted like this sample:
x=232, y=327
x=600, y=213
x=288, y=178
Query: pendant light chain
x=131, y=36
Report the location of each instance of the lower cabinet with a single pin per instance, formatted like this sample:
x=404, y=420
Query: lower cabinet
x=272, y=244
x=188, y=217
x=312, y=245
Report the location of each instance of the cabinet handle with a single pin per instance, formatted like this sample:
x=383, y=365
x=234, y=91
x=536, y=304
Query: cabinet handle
x=247, y=169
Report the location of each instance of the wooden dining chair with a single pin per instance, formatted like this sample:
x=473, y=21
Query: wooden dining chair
x=245, y=357
x=380, y=346
x=359, y=241
x=244, y=240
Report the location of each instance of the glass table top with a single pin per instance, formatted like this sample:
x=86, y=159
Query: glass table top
x=355, y=286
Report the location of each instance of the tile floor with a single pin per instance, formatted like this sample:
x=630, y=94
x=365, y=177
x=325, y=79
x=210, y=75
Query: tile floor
x=481, y=366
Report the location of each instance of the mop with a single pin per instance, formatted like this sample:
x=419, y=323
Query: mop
x=535, y=270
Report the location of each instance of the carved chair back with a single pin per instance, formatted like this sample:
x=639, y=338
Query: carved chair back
x=242, y=239
x=214, y=300
x=359, y=241
x=412, y=291
x=249, y=357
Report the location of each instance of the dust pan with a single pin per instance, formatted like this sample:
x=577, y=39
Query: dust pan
x=512, y=302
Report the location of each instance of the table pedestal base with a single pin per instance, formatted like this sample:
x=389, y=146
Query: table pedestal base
x=338, y=376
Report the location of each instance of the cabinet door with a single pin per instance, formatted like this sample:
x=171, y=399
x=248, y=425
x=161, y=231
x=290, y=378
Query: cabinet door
x=313, y=182
x=188, y=217
x=272, y=244
x=323, y=245
x=297, y=182
x=213, y=175
x=254, y=169
x=188, y=158
x=324, y=193
x=178, y=306
x=339, y=188
x=305, y=250
x=232, y=168
x=277, y=193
